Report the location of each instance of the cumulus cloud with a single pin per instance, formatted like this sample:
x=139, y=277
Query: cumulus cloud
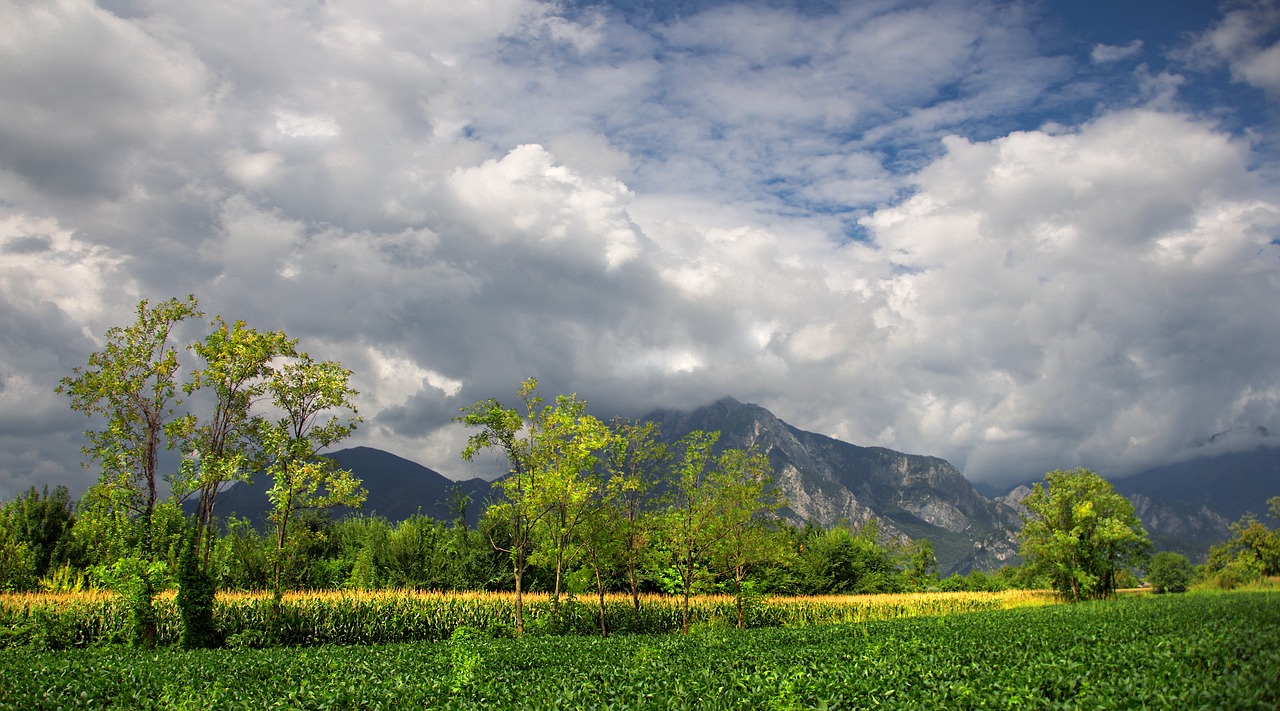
x=1064, y=287
x=858, y=217
x=1245, y=39
x=1103, y=53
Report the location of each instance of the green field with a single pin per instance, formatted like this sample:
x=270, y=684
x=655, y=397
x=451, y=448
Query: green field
x=1173, y=651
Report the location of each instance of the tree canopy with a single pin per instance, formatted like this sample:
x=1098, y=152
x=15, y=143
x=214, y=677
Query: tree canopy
x=1081, y=534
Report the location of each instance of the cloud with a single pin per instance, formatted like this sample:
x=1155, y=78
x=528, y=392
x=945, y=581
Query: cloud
x=1245, y=39
x=862, y=218
x=1103, y=53
x=1061, y=289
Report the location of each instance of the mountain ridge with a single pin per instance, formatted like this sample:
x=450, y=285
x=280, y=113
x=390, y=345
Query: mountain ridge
x=1186, y=506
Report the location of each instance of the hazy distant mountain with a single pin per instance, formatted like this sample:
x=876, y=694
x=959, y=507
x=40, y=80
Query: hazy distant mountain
x=1190, y=505
x=398, y=489
x=1185, y=507
x=829, y=481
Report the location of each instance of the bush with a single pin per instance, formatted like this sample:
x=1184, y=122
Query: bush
x=1169, y=572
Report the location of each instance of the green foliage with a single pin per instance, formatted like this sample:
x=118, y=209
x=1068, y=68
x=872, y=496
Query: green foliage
x=743, y=530
x=837, y=560
x=43, y=521
x=237, y=364
x=1252, y=551
x=1169, y=572
x=138, y=592
x=1202, y=651
x=65, y=580
x=1081, y=534
x=306, y=392
x=552, y=452
x=131, y=386
x=196, y=592
x=17, y=566
x=686, y=527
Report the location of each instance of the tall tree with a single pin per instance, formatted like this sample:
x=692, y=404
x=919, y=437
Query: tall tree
x=566, y=453
x=635, y=461
x=1081, y=534
x=511, y=433
x=744, y=501
x=236, y=370
x=317, y=410
x=132, y=384
x=551, y=451
x=688, y=523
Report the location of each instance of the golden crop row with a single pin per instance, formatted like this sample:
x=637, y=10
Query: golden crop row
x=374, y=616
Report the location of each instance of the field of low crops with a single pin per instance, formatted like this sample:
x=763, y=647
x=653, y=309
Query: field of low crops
x=1190, y=651
x=56, y=621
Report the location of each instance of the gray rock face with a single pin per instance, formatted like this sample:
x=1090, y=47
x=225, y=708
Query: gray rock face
x=831, y=482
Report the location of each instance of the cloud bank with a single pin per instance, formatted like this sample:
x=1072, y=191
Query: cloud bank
x=901, y=225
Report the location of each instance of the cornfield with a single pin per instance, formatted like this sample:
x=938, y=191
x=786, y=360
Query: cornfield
x=61, y=620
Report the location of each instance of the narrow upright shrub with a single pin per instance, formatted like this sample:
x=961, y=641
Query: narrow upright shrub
x=138, y=591
x=196, y=591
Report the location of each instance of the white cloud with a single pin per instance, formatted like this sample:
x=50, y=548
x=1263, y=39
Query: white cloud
x=1062, y=287
x=831, y=214
x=1103, y=53
x=1245, y=39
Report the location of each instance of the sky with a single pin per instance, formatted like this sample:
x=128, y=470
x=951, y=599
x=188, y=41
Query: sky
x=1020, y=236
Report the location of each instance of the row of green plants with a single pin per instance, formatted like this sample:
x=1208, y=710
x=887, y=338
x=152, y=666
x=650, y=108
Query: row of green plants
x=77, y=620
x=370, y=552
x=1198, y=651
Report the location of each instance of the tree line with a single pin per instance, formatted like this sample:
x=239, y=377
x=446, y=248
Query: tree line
x=585, y=507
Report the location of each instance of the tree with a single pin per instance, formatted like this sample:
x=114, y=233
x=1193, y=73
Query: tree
x=132, y=384
x=741, y=530
x=225, y=447
x=43, y=522
x=17, y=571
x=500, y=428
x=633, y=462
x=1169, y=572
x=305, y=392
x=551, y=451
x=564, y=459
x=687, y=529
x=920, y=564
x=841, y=561
x=1253, y=550
x=1081, y=534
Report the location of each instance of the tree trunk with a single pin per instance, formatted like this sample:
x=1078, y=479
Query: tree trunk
x=519, y=603
x=604, y=631
x=737, y=596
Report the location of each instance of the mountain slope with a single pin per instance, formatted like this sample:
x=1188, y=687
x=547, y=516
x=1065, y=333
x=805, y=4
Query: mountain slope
x=1189, y=506
x=830, y=481
x=398, y=489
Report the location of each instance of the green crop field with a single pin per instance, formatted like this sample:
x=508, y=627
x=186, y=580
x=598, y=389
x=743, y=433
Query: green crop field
x=1175, y=651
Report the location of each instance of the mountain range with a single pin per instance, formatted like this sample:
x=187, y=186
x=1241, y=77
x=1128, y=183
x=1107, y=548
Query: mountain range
x=1185, y=507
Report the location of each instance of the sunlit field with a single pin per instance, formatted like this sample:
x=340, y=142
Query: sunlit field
x=81, y=619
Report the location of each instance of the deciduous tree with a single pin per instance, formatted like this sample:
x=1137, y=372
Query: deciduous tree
x=1169, y=572
x=236, y=370
x=1081, y=534
x=742, y=530
x=687, y=526
x=132, y=385
x=316, y=407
